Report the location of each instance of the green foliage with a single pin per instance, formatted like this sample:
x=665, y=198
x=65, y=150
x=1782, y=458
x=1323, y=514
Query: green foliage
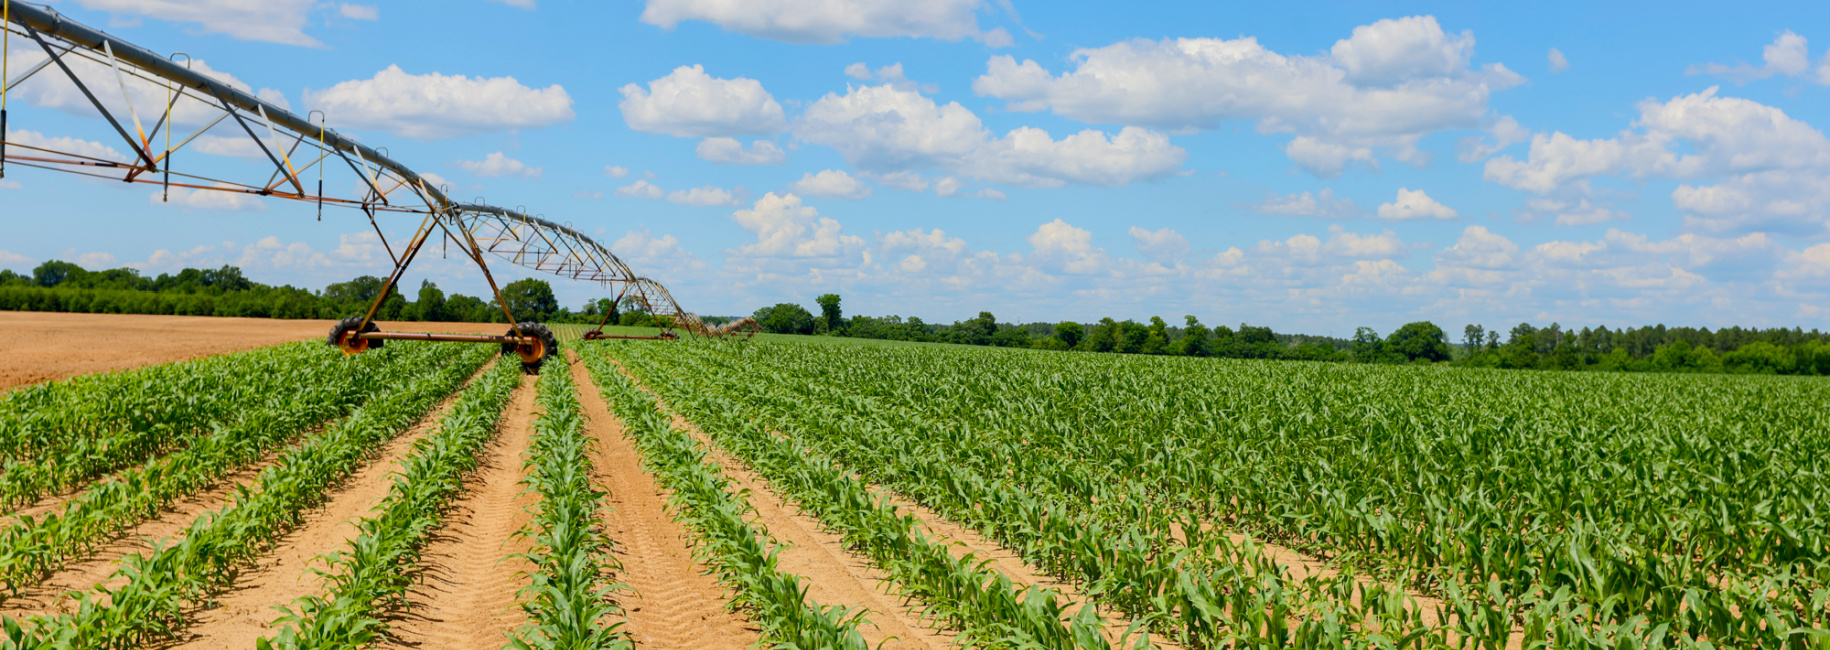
x=740, y=553
x=568, y=603
x=1070, y=334
x=784, y=318
x=366, y=580
x=255, y=401
x=1554, y=510
x=830, y=313
x=1421, y=340
x=159, y=588
x=531, y=299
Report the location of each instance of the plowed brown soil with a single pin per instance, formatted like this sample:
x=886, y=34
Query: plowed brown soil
x=41, y=346
x=832, y=574
x=673, y=602
x=467, y=597
x=247, y=611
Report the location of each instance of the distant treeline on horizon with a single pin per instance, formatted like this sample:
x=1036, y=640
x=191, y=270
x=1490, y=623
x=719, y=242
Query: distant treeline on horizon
x=64, y=287
x=57, y=286
x=1644, y=349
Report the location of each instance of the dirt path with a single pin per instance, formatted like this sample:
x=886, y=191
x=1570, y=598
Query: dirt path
x=42, y=346
x=674, y=604
x=832, y=575
x=467, y=596
x=246, y=612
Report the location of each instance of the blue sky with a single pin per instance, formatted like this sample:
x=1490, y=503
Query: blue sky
x=1312, y=168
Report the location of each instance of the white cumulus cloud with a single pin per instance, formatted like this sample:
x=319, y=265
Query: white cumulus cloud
x=731, y=152
x=1165, y=246
x=831, y=21
x=435, y=106
x=689, y=103
x=1306, y=204
x=1414, y=204
x=885, y=130
x=640, y=190
x=1788, y=55
x=497, y=165
x=831, y=184
x=707, y=195
x=273, y=21
x=1381, y=90
x=785, y=228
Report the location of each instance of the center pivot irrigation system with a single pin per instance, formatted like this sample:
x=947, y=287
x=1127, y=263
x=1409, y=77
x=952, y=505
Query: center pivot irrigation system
x=241, y=135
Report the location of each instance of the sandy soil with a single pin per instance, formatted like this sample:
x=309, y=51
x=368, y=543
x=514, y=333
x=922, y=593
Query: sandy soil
x=674, y=603
x=246, y=612
x=42, y=346
x=832, y=575
x=467, y=596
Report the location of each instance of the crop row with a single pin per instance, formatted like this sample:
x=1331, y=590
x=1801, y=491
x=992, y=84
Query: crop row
x=960, y=591
x=32, y=547
x=742, y=554
x=891, y=415
x=161, y=586
x=371, y=576
x=56, y=435
x=568, y=602
x=1205, y=594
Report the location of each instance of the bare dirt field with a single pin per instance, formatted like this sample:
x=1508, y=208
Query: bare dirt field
x=41, y=346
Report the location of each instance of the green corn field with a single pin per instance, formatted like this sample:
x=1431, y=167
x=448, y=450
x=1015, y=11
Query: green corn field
x=800, y=495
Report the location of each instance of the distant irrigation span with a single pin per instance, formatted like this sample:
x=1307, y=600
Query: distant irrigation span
x=304, y=159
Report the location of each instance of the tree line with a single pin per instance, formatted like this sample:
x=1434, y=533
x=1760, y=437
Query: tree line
x=57, y=286
x=1646, y=349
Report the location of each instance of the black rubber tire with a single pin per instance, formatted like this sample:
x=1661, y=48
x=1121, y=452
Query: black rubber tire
x=547, y=339
x=347, y=324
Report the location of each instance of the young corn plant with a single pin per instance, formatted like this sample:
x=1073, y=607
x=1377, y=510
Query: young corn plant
x=569, y=602
x=173, y=579
x=370, y=578
x=742, y=555
x=980, y=602
x=31, y=548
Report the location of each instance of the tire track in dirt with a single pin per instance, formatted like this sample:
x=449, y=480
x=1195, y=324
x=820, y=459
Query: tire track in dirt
x=467, y=595
x=284, y=574
x=832, y=574
x=674, y=603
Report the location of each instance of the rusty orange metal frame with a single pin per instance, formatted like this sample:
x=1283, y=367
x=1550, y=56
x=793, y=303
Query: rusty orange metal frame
x=87, y=57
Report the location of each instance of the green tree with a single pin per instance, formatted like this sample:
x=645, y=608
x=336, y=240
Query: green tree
x=829, y=312
x=356, y=293
x=977, y=331
x=1472, y=337
x=1420, y=340
x=431, y=303
x=1156, y=338
x=55, y=272
x=1196, y=340
x=531, y=299
x=1069, y=333
x=1011, y=337
x=785, y=318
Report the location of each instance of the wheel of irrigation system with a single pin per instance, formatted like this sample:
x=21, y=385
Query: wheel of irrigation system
x=343, y=336
x=536, y=353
